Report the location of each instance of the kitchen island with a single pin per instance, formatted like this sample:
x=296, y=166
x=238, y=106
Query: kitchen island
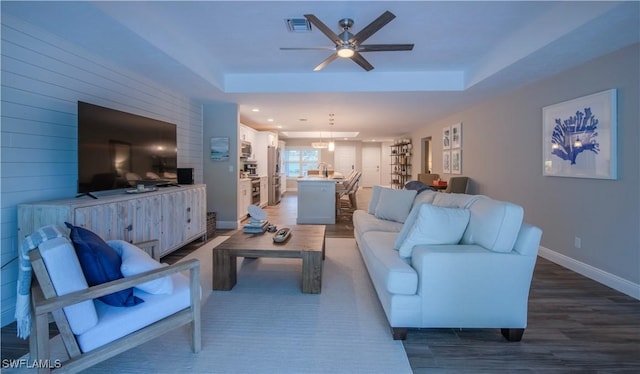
x=316, y=201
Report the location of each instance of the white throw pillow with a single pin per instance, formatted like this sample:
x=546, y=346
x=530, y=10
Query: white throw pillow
x=395, y=205
x=66, y=275
x=136, y=261
x=407, y=226
x=435, y=225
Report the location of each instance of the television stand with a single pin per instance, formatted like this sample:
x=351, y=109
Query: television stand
x=175, y=216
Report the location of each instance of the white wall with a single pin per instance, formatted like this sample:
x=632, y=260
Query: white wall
x=501, y=152
x=42, y=80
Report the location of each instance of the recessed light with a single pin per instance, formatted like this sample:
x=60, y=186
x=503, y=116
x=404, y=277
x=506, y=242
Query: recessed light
x=269, y=119
x=279, y=126
x=255, y=110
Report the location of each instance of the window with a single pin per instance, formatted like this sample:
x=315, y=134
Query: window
x=298, y=160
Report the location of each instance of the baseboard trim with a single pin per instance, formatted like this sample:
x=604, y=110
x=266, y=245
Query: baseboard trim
x=610, y=280
x=227, y=225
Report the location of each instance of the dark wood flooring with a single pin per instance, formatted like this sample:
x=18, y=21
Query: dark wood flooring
x=576, y=325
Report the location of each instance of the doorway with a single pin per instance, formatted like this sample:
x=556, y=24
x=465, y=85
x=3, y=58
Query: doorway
x=371, y=155
x=344, y=158
x=427, y=159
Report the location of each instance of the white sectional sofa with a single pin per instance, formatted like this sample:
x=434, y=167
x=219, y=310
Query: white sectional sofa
x=441, y=260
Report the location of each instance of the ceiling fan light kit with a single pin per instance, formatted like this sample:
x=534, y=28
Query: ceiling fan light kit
x=348, y=45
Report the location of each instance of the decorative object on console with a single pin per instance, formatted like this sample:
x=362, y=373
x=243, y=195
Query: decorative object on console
x=579, y=137
x=185, y=176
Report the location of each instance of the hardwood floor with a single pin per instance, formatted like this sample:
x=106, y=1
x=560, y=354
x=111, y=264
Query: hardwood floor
x=576, y=325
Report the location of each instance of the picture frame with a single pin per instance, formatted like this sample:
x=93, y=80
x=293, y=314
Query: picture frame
x=219, y=148
x=456, y=135
x=446, y=138
x=446, y=162
x=456, y=161
x=579, y=137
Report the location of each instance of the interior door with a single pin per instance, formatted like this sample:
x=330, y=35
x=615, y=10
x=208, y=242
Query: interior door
x=344, y=158
x=371, y=158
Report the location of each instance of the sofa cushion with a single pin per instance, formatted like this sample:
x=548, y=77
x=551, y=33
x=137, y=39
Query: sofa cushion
x=66, y=276
x=435, y=225
x=117, y=322
x=375, y=197
x=365, y=222
x=493, y=224
x=385, y=266
x=394, y=205
x=455, y=200
x=136, y=261
x=426, y=196
x=100, y=264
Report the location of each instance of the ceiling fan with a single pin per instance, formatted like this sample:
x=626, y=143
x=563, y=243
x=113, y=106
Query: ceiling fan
x=348, y=45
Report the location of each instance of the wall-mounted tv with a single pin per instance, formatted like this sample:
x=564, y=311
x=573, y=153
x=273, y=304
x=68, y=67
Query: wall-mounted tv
x=121, y=150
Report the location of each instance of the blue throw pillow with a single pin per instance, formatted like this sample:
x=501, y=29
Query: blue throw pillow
x=100, y=264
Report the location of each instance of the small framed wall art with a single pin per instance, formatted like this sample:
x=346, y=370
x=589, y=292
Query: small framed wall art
x=579, y=137
x=456, y=135
x=446, y=138
x=456, y=161
x=220, y=148
x=446, y=162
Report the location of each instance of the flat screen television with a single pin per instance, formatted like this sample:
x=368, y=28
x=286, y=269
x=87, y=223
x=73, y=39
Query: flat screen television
x=119, y=150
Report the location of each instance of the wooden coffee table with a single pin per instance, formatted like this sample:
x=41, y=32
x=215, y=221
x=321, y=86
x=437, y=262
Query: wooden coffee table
x=305, y=242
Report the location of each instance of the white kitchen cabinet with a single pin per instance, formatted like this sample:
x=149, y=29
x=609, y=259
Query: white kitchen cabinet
x=173, y=215
x=264, y=191
x=244, y=197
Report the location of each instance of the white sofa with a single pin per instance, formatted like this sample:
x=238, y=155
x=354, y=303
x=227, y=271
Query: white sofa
x=480, y=280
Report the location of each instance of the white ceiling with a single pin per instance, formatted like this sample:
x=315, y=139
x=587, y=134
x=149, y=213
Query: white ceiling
x=465, y=52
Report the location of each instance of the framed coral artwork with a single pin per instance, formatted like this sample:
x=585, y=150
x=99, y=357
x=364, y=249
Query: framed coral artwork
x=579, y=137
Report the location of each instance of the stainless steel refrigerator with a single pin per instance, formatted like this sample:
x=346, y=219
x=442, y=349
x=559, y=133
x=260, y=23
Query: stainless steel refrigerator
x=273, y=171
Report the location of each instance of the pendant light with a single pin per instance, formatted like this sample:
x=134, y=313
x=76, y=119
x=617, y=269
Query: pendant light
x=332, y=144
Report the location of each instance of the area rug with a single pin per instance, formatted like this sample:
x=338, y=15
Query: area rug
x=266, y=325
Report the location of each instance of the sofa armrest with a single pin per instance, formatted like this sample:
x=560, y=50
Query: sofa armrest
x=465, y=285
x=58, y=302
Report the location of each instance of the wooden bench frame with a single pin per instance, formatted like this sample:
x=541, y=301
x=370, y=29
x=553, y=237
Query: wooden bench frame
x=45, y=301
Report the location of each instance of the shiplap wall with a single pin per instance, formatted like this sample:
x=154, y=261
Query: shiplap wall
x=43, y=78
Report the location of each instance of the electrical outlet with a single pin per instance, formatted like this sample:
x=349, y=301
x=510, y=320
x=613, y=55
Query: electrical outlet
x=577, y=242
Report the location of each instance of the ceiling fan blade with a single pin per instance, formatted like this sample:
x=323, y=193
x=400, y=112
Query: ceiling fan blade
x=322, y=27
x=326, y=62
x=358, y=59
x=384, y=47
x=371, y=28
x=308, y=48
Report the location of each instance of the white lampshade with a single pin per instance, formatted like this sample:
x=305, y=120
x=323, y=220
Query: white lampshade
x=332, y=146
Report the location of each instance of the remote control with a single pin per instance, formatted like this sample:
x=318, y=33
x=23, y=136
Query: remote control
x=282, y=235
